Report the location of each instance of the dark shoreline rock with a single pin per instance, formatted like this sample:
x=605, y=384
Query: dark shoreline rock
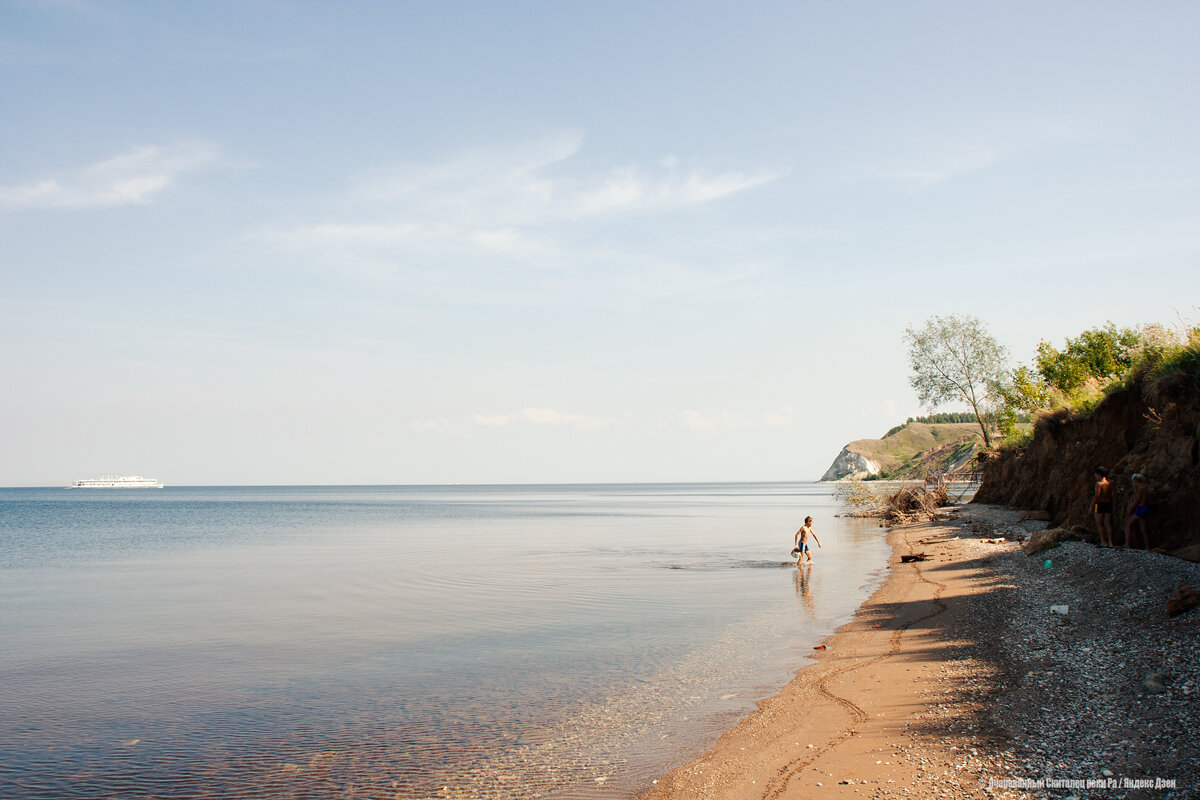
x=1184, y=600
x=1050, y=537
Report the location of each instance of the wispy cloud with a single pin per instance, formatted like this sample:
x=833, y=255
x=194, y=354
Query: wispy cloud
x=930, y=169
x=363, y=233
x=514, y=177
x=509, y=241
x=548, y=416
x=136, y=176
x=959, y=155
x=735, y=420
x=637, y=189
x=511, y=200
x=947, y=166
x=541, y=416
x=527, y=416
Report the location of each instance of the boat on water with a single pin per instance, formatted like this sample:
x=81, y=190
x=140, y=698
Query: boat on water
x=117, y=482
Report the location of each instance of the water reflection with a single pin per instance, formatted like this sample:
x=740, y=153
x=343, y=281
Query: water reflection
x=802, y=580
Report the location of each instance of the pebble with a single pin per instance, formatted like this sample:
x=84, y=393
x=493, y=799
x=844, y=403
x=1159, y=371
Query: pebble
x=1098, y=683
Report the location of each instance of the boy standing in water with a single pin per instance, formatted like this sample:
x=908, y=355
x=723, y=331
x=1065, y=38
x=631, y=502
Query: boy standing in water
x=802, y=540
x=1102, y=506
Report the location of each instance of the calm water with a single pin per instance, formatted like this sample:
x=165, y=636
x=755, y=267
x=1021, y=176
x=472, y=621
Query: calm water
x=400, y=642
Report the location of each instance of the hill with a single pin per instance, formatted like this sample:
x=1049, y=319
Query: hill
x=912, y=450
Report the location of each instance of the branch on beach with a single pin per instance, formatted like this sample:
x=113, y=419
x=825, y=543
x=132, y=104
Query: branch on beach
x=914, y=503
x=907, y=504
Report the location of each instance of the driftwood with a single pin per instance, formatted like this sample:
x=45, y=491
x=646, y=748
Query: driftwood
x=912, y=503
x=913, y=557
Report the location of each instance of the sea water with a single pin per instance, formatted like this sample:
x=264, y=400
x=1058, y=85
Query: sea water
x=401, y=642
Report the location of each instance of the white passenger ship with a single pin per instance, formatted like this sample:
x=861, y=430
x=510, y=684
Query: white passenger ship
x=117, y=482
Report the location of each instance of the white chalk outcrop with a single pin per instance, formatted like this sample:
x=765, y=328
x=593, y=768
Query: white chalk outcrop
x=850, y=464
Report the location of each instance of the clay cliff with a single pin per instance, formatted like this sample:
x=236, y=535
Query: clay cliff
x=1151, y=426
x=850, y=464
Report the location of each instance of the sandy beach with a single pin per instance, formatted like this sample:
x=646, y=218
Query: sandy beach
x=956, y=679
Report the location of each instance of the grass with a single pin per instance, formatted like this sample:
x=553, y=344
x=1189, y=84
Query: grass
x=899, y=448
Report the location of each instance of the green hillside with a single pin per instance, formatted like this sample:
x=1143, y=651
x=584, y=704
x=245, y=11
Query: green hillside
x=914, y=450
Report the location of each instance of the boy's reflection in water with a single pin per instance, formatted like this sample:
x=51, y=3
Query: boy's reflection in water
x=802, y=580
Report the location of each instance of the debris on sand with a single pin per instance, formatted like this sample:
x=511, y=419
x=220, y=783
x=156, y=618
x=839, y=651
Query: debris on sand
x=913, y=504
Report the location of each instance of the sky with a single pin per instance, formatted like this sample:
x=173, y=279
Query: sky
x=538, y=242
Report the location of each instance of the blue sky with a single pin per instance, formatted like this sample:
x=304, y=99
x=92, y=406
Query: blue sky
x=278, y=242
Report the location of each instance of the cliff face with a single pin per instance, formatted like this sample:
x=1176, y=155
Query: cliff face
x=850, y=464
x=1148, y=427
x=911, y=451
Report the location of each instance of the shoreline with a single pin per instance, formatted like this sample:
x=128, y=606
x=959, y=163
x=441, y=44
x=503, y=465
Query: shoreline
x=955, y=679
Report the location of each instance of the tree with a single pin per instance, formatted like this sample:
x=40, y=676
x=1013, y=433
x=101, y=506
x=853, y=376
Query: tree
x=1026, y=390
x=1100, y=353
x=954, y=358
x=1022, y=393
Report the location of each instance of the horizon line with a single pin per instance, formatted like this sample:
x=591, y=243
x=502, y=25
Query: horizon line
x=427, y=485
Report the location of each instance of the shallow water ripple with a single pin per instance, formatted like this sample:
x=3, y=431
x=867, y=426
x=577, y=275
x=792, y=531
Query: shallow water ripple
x=399, y=642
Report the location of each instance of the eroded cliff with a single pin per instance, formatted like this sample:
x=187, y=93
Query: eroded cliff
x=1151, y=426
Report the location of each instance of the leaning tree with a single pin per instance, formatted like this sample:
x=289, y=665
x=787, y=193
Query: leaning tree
x=954, y=358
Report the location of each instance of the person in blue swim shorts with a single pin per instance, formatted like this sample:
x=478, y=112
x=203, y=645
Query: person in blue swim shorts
x=1141, y=507
x=802, y=549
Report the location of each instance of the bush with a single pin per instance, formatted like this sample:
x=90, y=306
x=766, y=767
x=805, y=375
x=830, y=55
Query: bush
x=1096, y=363
x=859, y=498
x=1100, y=353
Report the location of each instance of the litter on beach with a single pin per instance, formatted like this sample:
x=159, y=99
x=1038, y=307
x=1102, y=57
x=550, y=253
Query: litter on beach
x=1060, y=610
x=821, y=647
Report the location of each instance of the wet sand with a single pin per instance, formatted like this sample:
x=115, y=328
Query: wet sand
x=955, y=675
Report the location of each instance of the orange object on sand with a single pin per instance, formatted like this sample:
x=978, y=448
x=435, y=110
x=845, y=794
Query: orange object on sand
x=876, y=625
x=819, y=647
